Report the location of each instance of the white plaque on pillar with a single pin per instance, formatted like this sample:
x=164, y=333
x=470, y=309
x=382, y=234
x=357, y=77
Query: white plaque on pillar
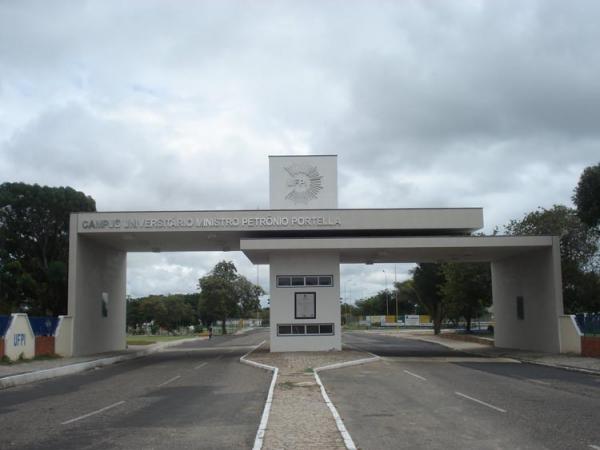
x=303, y=182
x=305, y=305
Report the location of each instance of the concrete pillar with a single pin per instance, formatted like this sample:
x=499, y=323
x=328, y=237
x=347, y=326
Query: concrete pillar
x=535, y=277
x=97, y=290
x=19, y=340
x=63, y=343
x=327, y=300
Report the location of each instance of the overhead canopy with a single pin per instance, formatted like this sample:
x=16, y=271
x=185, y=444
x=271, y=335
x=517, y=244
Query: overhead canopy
x=400, y=249
x=223, y=230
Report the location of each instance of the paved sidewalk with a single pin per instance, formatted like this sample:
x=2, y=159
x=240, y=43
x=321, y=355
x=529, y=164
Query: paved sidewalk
x=46, y=365
x=565, y=361
x=300, y=418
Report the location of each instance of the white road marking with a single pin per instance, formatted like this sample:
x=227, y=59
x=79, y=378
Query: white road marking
x=262, y=427
x=85, y=416
x=170, y=380
x=415, y=375
x=209, y=349
x=595, y=447
x=348, y=442
x=199, y=366
x=480, y=402
x=545, y=383
x=449, y=359
x=218, y=358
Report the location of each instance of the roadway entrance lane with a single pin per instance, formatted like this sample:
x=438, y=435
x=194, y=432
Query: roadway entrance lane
x=172, y=399
x=428, y=402
x=382, y=345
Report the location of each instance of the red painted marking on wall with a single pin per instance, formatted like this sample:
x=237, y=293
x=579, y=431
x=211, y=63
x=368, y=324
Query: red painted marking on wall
x=44, y=345
x=590, y=346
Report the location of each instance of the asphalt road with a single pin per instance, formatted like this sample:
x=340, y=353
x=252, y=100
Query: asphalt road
x=422, y=395
x=195, y=395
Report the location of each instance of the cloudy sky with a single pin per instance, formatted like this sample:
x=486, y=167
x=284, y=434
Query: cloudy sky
x=161, y=105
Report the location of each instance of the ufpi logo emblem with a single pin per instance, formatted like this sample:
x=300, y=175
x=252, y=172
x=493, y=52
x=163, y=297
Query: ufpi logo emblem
x=19, y=339
x=305, y=182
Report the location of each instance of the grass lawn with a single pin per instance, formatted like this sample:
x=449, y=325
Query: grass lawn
x=147, y=340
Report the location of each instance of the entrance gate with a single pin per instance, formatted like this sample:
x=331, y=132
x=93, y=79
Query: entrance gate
x=304, y=239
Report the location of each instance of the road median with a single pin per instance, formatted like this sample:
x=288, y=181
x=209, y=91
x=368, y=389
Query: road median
x=301, y=413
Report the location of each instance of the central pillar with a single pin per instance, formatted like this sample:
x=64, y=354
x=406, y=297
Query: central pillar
x=305, y=301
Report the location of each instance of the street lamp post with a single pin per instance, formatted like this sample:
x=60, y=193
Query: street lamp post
x=387, y=307
x=396, y=292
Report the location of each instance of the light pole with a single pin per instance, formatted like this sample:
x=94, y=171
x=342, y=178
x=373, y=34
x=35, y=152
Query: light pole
x=387, y=307
x=258, y=306
x=396, y=293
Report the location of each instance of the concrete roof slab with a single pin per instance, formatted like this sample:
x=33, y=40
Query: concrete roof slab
x=401, y=249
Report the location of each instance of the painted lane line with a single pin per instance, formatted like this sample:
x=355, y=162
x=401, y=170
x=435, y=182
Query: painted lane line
x=199, y=366
x=264, y=420
x=170, y=380
x=480, y=402
x=348, y=442
x=211, y=349
x=595, y=447
x=545, y=383
x=93, y=413
x=415, y=375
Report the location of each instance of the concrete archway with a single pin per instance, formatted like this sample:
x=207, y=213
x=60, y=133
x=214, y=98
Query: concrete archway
x=304, y=238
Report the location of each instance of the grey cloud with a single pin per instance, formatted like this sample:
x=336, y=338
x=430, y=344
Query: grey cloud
x=150, y=106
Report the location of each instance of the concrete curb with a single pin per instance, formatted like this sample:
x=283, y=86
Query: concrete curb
x=264, y=420
x=70, y=369
x=355, y=362
x=546, y=364
x=512, y=356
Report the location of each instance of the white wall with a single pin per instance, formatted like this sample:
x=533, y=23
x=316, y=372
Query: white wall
x=536, y=277
x=327, y=300
x=290, y=178
x=93, y=270
x=570, y=336
x=63, y=337
x=19, y=338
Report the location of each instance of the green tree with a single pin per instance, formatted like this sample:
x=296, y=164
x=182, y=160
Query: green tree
x=407, y=296
x=219, y=294
x=169, y=312
x=193, y=300
x=467, y=290
x=34, y=245
x=428, y=280
x=587, y=196
x=264, y=315
x=376, y=304
x=134, y=316
x=248, y=295
x=578, y=250
x=154, y=309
